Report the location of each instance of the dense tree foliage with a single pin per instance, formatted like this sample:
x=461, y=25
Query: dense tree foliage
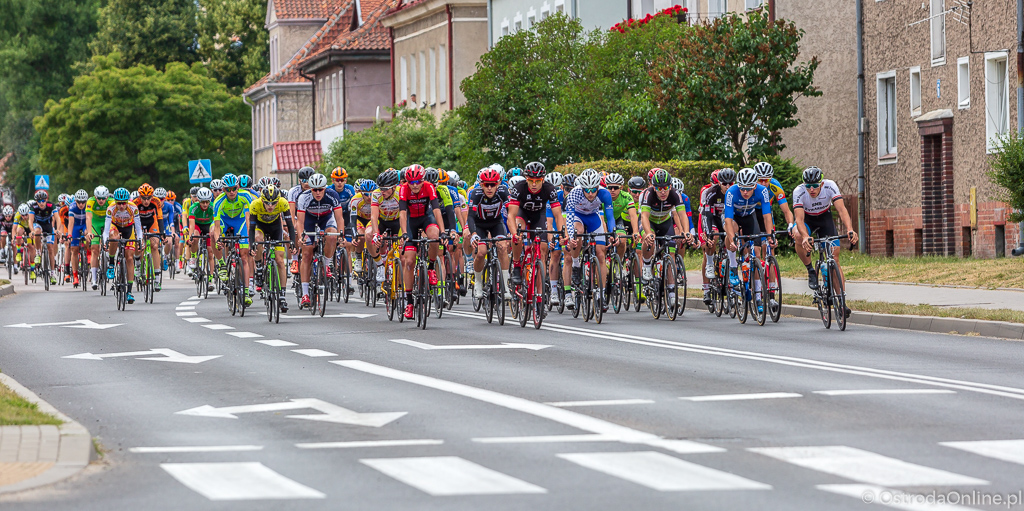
x=233, y=41
x=152, y=32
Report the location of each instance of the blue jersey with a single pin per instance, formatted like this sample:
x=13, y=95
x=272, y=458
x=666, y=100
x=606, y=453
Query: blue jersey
x=344, y=196
x=170, y=213
x=736, y=205
x=577, y=204
x=78, y=213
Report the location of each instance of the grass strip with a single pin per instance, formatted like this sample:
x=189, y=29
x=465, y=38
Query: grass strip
x=1009, y=315
x=16, y=411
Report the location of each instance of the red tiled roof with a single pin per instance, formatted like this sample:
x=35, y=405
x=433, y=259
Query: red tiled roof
x=290, y=9
x=292, y=156
x=372, y=35
x=404, y=4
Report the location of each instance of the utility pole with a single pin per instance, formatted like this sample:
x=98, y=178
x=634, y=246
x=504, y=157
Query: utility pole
x=1020, y=102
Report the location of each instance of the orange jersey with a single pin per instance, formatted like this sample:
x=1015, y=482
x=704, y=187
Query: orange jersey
x=151, y=213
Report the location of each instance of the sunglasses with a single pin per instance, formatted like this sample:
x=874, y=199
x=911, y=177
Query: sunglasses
x=232, y=189
x=535, y=179
x=387, y=189
x=204, y=203
x=613, y=188
x=319, y=189
x=418, y=181
x=812, y=185
x=342, y=179
x=747, y=189
x=489, y=185
x=590, y=190
x=727, y=183
x=145, y=197
x=663, y=188
x=636, y=192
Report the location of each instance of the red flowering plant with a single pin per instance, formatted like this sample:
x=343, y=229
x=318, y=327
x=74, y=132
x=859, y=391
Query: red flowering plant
x=674, y=11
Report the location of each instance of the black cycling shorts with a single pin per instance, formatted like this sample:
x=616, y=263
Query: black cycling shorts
x=748, y=225
x=820, y=226
x=491, y=229
x=271, y=231
x=388, y=227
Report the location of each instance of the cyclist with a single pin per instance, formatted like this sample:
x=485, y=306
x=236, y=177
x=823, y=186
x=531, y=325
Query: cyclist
x=217, y=187
x=7, y=228
x=486, y=203
x=624, y=209
x=528, y=200
x=662, y=213
x=419, y=209
x=124, y=216
x=200, y=219
x=22, y=230
x=231, y=217
x=293, y=195
x=345, y=191
x=42, y=219
x=246, y=187
x=268, y=215
x=360, y=214
x=588, y=209
x=95, y=217
x=318, y=208
x=743, y=201
x=555, y=252
x=151, y=213
x=711, y=209
x=76, y=226
x=765, y=173
x=384, y=215
x=169, y=213
x=812, y=206
x=176, y=228
x=460, y=210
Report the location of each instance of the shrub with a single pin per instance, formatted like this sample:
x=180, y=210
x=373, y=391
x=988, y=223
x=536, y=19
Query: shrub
x=1008, y=172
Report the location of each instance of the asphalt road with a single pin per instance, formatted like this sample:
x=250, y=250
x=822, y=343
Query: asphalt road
x=700, y=413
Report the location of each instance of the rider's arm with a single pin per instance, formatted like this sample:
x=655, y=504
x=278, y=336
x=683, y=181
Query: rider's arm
x=251, y=220
x=436, y=208
x=844, y=215
x=106, y=228
x=138, y=228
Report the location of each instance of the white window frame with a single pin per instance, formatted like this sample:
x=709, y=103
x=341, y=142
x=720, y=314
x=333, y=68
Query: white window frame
x=432, y=64
x=992, y=124
x=560, y=6
x=752, y=4
x=403, y=70
x=937, y=29
x=505, y=27
x=545, y=10
x=272, y=122
x=412, y=77
x=422, y=96
x=442, y=69
x=881, y=82
x=339, y=96
x=531, y=17
x=715, y=14
x=915, y=91
x=517, y=22
x=963, y=80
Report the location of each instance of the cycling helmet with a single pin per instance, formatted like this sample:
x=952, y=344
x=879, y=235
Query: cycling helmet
x=41, y=195
x=367, y=186
x=318, y=181
x=305, y=173
x=263, y=181
x=216, y=184
x=430, y=175
x=229, y=180
x=515, y=180
x=746, y=178
x=513, y=172
x=270, y=194
x=589, y=179
x=661, y=178
x=24, y=209
x=171, y=196
x=568, y=180
x=81, y=196
x=204, y=194
x=414, y=173
x=813, y=175
x=453, y=177
x=727, y=176
x=388, y=179
x=637, y=183
x=145, y=189
x=245, y=181
x=160, y=193
x=31, y=203
x=122, y=195
x=489, y=175
x=615, y=179
x=101, y=192
x=677, y=184
x=275, y=181
x=69, y=200
x=499, y=168
x=8, y=210
x=554, y=178
x=442, y=176
x=650, y=173
x=714, y=176
x=62, y=198
x=534, y=169
x=339, y=173
x=191, y=191
x=764, y=170
x=134, y=195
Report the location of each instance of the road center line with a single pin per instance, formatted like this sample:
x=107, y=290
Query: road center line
x=196, y=320
x=180, y=314
x=198, y=448
x=869, y=392
x=562, y=416
x=742, y=397
x=601, y=402
x=367, y=443
x=544, y=439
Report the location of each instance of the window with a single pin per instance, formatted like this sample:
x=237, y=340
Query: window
x=339, y=97
x=997, y=98
x=404, y=79
x=433, y=77
x=915, y=91
x=886, y=86
x=531, y=18
x=753, y=4
x=963, y=80
x=938, y=24
x=442, y=68
x=504, y=27
x=545, y=10
x=412, y=77
x=422, y=96
x=517, y=23
x=717, y=8
x=559, y=5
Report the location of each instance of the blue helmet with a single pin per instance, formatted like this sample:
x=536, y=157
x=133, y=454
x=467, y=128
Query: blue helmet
x=367, y=186
x=69, y=200
x=229, y=180
x=513, y=172
x=244, y=181
x=121, y=195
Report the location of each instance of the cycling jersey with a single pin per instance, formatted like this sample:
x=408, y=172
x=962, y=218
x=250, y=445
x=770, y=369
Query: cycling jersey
x=6, y=225
x=225, y=209
x=660, y=210
x=737, y=206
x=622, y=205
x=817, y=205
x=150, y=214
x=199, y=215
x=98, y=210
x=419, y=204
x=387, y=208
x=122, y=218
x=344, y=195
x=530, y=203
x=486, y=209
x=775, y=191
x=360, y=207
x=712, y=206
x=43, y=212
x=21, y=220
x=265, y=213
x=293, y=193
x=578, y=208
x=78, y=214
x=319, y=213
x=169, y=213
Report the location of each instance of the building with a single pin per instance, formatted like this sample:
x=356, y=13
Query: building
x=327, y=74
x=435, y=44
x=508, y=16
x=697, y=10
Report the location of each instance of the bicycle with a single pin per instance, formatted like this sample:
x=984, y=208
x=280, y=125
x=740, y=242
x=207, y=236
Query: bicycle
x=533, y=292
x=753, y=282
x=234, y=287
x=120, y=286
x=622, y=277
x=493, y=301
x=145, y=273
x=83, y=262
x=44, y=254
x=342, y=280
x=668, y=276
x=833, y=301
x=422, y=291
x=586, y=293
x=560, y=288
x=318, y=283
x=8, y=256
x=723, y=299
x=392, y=290
x=201, y=273
x=272, y=290
x=774, y=278
x=367, y=278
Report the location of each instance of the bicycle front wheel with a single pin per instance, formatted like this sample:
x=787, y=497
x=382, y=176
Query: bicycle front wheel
x=774, y=294
x=838, y=290
x=759, y=284
x=668, y=289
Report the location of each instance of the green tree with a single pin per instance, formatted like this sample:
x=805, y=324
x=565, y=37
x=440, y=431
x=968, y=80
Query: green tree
x=151, y=32
x=735, y=81
x=233, y=41
x=123, y=127
x=1008, y=171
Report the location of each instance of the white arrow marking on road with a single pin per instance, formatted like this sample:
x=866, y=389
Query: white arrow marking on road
x=168, y=356
x=78, y=323
x=504, y=345
x=331, y=412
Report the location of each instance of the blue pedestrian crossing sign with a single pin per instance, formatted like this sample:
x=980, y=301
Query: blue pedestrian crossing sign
x=199, y=171
x=43, y=182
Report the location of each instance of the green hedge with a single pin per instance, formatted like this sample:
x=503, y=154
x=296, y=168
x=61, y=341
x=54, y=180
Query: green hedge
x=694, y=174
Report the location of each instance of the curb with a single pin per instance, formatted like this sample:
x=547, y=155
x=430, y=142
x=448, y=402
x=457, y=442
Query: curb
x=998, y=329
x=73, y=451
x=951, y=286
x=7, y=289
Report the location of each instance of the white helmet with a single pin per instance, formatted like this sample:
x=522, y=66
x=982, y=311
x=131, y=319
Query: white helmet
x=160, y=193
x=589, y=179
x=554, y=178
x=515, y=180
x=318, y=181
x=764, y=170
x=499, y=168
x=746, y=178
x=133, y=196
x=8, y=210
x=677, y=184
x=81, y=196
x=101, y=192
x=453, y=179
x=24, y=209
x=614, y=179
x=31, y=203
x=204, y=194
x=216, y=184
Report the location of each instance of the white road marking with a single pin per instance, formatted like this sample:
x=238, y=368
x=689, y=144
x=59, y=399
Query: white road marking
x=605, y=402
x=196, y=320
x=238, y=481
x=277, y=342
x=742, y=397
x=197, y=448
x=662, y=472
x=865, y=466
x=168, y=356
x=1005, y=450
x=181, y=314
x=897, y=499
x=310, y=316
x=450, y=475
x=331, y=412
x=196, y=302
x=367, y=443
x=315, y=353
x=78, y=323
x=217, y=326
x=245, y=335
x=869, y=392
x=545, y=439
x=504, y=345
x=188, y=308
x=560, y=415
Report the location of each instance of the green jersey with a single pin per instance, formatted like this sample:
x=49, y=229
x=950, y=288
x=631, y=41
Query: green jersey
x=201, y=216
x=622, y=205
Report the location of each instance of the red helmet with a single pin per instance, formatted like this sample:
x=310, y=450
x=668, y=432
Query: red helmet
x=415, y=173
x=490, y=176
x=650, y=175
x=714, y=176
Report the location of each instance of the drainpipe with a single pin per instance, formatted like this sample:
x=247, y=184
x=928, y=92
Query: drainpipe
x=771, y=11
x=451, y=63
x=252, y=117
x=273, y=126
x=861, y=203
x=490, y=25
x=1020, y=102
x=391, y=36
x=312, y=81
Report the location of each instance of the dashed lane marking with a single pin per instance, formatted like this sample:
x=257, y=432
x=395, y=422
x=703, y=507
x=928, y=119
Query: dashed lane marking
x=238, y=481
x=662, y=472
x=196, y=302
x=197, y=320
x=545, y=439
x=315, y=353
x=277, y=342
x=1005, y=450
x=196, y=448
x=604, y=402
x=182, y=314
x=245, y=335
x=450, y=475
x=217, y=326
x=869, y=392
x=742, y=397
x=367, y=443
